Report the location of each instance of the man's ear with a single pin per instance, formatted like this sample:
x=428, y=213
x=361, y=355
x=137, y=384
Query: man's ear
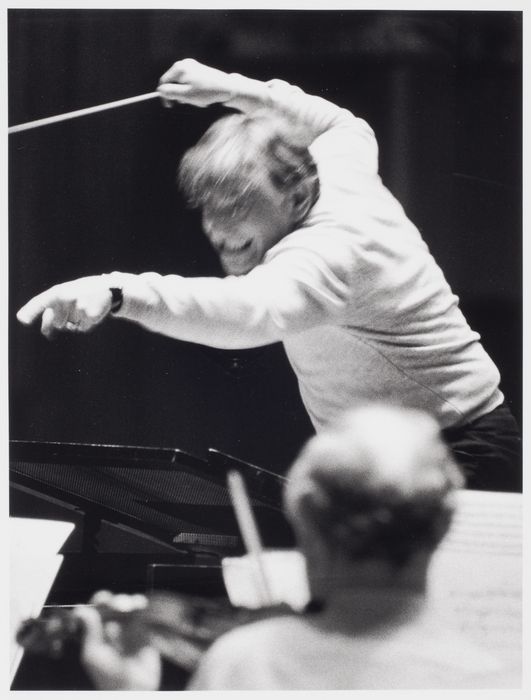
x=302, y=200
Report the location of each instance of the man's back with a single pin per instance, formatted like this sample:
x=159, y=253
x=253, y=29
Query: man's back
x=388, y=322
x=296, y=653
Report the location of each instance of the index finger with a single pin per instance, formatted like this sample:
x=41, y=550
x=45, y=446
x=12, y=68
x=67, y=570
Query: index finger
x=34, y=308
x=173, y=74
x=92, y=624
x=173, y=91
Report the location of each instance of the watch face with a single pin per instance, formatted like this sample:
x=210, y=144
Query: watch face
x=117, y=299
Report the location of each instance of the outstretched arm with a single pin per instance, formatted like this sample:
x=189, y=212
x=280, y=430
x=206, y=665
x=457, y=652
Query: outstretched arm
x=291, y=293
x=76, y=306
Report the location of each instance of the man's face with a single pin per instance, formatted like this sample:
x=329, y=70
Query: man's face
x=242, y=239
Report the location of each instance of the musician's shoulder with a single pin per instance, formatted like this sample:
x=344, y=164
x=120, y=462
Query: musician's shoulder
x=238, y=658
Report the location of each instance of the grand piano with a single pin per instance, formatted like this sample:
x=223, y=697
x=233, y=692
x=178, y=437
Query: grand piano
x=146, y=519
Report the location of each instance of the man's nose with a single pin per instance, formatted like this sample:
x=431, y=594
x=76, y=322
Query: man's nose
x=216, y=236
x=216, y=231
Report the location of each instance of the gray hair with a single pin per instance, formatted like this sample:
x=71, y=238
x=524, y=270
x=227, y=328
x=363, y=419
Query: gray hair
x=228, y=166
x=378, y=484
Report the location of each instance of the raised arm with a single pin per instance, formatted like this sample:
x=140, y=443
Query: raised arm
x=191, y=82
x=297, y=290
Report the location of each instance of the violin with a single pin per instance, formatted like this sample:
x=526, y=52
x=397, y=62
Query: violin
x=181, y=627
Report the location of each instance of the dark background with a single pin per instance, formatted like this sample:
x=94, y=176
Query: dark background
x=443, y=94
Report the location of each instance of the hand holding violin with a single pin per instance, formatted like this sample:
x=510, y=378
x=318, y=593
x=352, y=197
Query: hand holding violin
x=118, y=656
x=123, y=637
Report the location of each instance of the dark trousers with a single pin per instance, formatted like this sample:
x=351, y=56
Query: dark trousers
x=489, y=451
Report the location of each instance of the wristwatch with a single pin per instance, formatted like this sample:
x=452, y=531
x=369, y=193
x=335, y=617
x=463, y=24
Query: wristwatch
x=117, y=299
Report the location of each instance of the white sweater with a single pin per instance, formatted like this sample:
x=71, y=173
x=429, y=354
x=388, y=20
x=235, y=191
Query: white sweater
x=354, y=294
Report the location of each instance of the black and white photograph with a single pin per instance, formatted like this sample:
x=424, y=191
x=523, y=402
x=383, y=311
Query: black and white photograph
x=265, y=347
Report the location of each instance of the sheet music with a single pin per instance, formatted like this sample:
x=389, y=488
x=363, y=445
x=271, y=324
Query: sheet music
x=34, y=564
x=476, y=575
x=475, y=578
x=286, y=576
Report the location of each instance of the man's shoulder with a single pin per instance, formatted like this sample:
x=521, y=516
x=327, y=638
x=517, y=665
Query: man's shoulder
x=351, y=144
x=318, y=245
x=256, y=637
x=317, y=234
x=234, y=659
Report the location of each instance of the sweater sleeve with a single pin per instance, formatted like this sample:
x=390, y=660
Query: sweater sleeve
x=315, y=119
x=313, y=114
x=298, y=289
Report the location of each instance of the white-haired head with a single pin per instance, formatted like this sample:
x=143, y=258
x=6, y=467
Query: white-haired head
x=379, y=484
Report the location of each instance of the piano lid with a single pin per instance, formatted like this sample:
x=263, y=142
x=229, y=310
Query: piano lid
x=160, y=492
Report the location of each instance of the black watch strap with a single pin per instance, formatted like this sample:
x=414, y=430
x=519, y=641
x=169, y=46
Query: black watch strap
x=117, y=299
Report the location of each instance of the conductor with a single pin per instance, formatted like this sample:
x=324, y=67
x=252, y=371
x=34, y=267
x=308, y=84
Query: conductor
x=320, y=256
